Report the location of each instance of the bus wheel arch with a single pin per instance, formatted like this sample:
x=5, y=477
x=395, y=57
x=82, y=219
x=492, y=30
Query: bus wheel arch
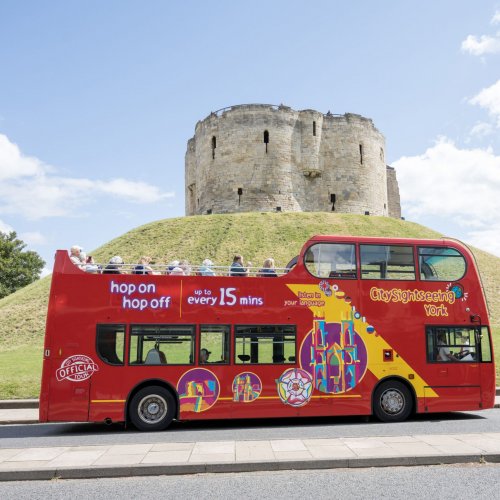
x=393, y=400
x=152, y=405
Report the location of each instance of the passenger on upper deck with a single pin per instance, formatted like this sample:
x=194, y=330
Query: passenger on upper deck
x=171, y=266
x=91, y=266
x=186, y=268
x=206, y=268
x=268, y=269
x=75, y=256
x=177, y=271
x=114, y=266
x=143, y=267
x=237, y=267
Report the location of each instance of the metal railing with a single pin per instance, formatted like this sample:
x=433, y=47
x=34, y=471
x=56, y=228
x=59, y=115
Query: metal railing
x=180, y=270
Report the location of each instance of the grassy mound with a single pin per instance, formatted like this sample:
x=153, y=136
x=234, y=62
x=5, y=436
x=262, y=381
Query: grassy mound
x=254, y=235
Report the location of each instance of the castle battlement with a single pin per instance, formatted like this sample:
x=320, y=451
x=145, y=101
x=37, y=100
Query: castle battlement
x=263, y=157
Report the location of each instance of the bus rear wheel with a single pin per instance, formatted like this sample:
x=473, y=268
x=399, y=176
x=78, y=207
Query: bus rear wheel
x=152, y=408
x=392, y=402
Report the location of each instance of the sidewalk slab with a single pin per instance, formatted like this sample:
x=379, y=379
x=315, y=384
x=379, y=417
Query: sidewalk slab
x=77, y=462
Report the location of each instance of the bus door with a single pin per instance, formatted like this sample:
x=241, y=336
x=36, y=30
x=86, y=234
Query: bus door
x=69, y=385
x=453, y=355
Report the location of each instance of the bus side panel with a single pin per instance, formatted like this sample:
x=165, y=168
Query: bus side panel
x=457, y=398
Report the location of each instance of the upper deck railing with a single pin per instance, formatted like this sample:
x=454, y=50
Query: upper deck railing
x=180, y=270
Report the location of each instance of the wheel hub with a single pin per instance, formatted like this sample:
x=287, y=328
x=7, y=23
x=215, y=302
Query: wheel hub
x=152, y=409
x=392, y=402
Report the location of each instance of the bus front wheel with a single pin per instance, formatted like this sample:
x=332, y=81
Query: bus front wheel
x=152, y=408
x=392, y=402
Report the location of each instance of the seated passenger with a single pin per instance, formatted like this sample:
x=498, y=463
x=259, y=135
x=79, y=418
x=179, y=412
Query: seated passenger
x=237, y=267
x=76, y=257
x=206, y=268
x=186, y=268
x=267, y=269
x=142, y=267
x=91, y=266
x=204, y=354
x=177, y=271
x=171, y=266
x=114, y=266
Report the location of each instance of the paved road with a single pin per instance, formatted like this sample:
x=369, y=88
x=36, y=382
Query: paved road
x=443, y=482
x=26, y=436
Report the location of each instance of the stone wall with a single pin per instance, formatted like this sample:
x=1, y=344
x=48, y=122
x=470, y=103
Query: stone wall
x=272, y=158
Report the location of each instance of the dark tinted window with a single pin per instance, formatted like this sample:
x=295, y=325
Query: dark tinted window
x=111, y=343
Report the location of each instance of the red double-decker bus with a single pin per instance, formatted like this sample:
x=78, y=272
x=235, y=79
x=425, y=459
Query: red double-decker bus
x=358, y=326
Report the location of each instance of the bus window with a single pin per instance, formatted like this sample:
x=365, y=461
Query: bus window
x=331, y=260
x=441, y=264
x=485, y=341
x=214, y=344
x=161, y=345
x=265, y=344
x=110, y=343
x=387, y=262
x=454, y=343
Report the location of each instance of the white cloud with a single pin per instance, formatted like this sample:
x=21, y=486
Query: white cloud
x=480, y=130
x=33, y=238
x=31, y=188
x=489, y=99
x=5, y=228
x=462, y=185
x=485, y=44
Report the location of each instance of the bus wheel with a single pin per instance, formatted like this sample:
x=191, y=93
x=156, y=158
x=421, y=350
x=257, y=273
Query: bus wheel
x=392, y=402
x=152, y=409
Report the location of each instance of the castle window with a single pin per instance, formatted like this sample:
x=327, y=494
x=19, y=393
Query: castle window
x=266, y=138
x=314, y=128
x=214, y=145
x=382, y=154
x=361, y=154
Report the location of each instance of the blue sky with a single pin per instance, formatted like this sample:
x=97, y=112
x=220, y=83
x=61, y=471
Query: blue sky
x=98, y=100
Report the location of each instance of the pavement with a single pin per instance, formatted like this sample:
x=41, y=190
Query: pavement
x=167, y=458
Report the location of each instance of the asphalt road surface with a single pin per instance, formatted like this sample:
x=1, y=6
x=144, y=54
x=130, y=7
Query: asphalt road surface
x=27, y=436
x=443, y=482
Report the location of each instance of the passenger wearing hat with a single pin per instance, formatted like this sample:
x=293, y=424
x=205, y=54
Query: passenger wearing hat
x=204, y=354
x=206, y=268
x=114, y=266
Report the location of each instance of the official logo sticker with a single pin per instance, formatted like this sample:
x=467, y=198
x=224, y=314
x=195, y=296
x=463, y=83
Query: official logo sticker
x=76, y=368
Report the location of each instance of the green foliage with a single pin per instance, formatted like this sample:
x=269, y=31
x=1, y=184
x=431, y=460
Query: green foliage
x=18, y=268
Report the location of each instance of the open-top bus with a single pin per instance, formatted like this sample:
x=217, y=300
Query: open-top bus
x=358, y=326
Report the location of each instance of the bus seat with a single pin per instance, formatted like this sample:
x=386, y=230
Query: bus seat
x=244, y=357
x=154, y=357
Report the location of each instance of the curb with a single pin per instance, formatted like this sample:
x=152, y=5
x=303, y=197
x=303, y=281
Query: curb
x=19, y=422
x=221, y=467
x=18, y=404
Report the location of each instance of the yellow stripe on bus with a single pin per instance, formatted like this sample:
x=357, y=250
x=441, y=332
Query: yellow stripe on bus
x=108, y=401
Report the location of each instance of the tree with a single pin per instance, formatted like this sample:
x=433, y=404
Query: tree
x=18, y=268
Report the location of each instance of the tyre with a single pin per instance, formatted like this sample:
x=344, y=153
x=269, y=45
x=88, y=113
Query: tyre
x=392, y=402
x=152, y=408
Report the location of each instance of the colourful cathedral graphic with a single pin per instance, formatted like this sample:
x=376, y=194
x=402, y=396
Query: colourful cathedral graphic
x=334, y=354
x=247, y=387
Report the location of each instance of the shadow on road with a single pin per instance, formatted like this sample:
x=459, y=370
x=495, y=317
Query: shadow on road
x=236, y=427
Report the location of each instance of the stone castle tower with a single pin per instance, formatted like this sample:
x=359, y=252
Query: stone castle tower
x=262, y=158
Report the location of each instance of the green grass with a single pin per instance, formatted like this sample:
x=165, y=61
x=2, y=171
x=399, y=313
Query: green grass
x=20, y=371
x=254, y=235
